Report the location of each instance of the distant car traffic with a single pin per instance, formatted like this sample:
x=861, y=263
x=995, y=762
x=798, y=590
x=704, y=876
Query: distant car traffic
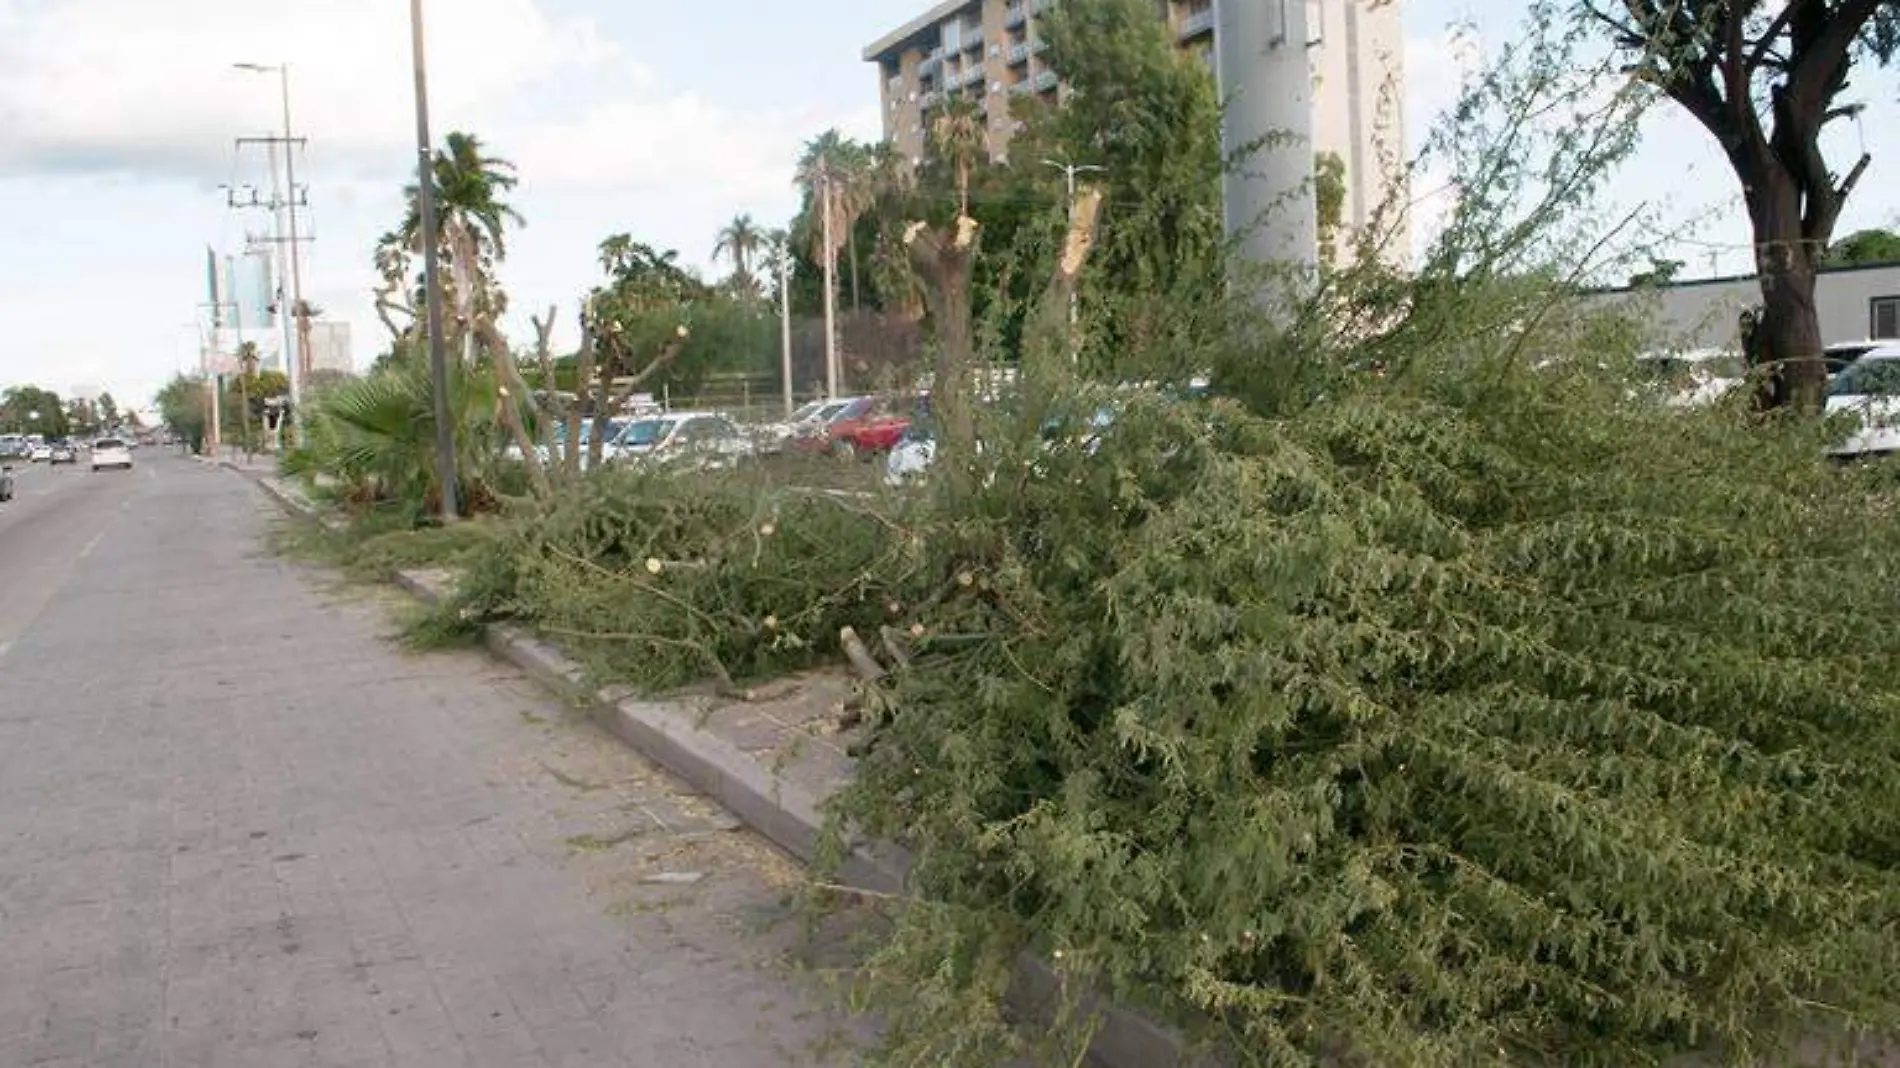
x=40, y=453
x=111, y=452
x=62, y=452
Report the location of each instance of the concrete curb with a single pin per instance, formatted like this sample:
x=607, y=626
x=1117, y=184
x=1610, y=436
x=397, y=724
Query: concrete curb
x=785, y=812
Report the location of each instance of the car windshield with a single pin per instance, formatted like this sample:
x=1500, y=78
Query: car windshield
x=645, y=432
x=108, y=443
x=810, y=411
x=1867, y=378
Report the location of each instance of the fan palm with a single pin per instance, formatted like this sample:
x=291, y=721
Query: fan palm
x=376, y=436
x=740, y=241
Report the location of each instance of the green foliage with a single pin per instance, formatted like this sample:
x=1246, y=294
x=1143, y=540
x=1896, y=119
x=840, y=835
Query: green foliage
x=1476, y=717
x=1865, y=247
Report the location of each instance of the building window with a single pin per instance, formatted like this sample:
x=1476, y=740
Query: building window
x=1883, y=314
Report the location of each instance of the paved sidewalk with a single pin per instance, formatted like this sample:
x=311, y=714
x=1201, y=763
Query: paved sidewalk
x=238, y=828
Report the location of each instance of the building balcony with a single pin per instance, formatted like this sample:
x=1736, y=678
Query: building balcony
x=930, y=65
x=1015, y=14
x=1018, y=54
x=1196, y=24
x=1044, y=81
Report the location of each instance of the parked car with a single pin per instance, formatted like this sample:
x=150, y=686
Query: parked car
x=806, y=425
x=111, y=452
x=1869, y=389
x=878, y=430
x=816, y=437
x=699, y=439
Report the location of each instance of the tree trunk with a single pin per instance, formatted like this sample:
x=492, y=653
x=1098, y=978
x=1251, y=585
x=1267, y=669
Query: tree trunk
x=512, y=393
x=1792, y=349
x=944, y=261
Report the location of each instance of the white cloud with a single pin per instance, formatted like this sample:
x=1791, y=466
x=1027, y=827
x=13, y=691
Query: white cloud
x=102, y=85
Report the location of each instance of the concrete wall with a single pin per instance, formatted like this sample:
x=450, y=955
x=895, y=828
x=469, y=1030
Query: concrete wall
x=1702, y=314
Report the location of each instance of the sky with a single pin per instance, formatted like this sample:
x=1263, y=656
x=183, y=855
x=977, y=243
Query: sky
x=118, y=121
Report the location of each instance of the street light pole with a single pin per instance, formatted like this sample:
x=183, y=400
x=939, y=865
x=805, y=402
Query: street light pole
x=425, y=196
x=831, y=283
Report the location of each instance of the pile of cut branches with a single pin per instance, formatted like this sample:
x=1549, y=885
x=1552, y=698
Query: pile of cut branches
x=1481, y=717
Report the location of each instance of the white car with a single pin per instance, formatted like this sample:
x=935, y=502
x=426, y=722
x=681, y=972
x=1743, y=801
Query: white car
x=40, y=453
x=1869, y=389
x=111, y=452
x=703, y=439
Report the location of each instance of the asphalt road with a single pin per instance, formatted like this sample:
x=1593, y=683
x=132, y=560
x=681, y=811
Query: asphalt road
x=239, y=827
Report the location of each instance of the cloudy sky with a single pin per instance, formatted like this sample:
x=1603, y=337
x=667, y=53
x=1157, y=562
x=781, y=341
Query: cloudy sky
x=118, y=117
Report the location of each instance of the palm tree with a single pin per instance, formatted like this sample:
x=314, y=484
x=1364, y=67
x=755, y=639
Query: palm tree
x=958, y=137
x=740, y=241
x=474, y=220
x=832, y=172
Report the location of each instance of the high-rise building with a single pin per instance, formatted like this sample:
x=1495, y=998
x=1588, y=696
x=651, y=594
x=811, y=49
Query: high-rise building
x=988, y=51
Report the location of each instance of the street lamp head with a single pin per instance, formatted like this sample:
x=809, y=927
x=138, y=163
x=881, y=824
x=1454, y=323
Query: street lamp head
x=258, y=68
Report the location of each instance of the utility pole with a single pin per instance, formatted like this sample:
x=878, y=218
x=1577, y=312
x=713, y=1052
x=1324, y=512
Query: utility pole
x=1069, y=171
x=296, y=365
x=785, y=321
x=831, y=282
x=431, y=283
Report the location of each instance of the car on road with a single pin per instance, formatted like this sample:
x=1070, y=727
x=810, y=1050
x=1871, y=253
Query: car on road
x=39, y=453
x=62, y=452
x=111, y=452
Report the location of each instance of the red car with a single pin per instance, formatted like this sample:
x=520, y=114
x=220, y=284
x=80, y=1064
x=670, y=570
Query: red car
x=863, y=427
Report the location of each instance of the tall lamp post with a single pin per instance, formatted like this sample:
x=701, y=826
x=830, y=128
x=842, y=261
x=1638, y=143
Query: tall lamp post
x=293, y=362
x=425, y=197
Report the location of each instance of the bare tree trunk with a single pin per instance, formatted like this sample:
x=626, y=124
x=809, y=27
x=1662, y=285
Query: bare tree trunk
x=512, y=393
x=1053, y=337
x=571, y=451
x=552, y=408
x=944, y=261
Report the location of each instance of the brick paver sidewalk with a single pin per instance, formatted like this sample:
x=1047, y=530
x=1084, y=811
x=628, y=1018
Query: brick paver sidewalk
x=237, y=827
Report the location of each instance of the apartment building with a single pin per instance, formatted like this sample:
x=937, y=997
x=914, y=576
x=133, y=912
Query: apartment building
x=989, y=51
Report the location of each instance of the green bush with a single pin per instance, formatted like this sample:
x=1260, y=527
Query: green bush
x=1478, y=716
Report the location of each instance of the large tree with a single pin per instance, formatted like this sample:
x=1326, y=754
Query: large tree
x=33, y=410
x=1766, y=79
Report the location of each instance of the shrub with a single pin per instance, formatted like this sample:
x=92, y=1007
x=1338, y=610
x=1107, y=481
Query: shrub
x=1479, y=716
